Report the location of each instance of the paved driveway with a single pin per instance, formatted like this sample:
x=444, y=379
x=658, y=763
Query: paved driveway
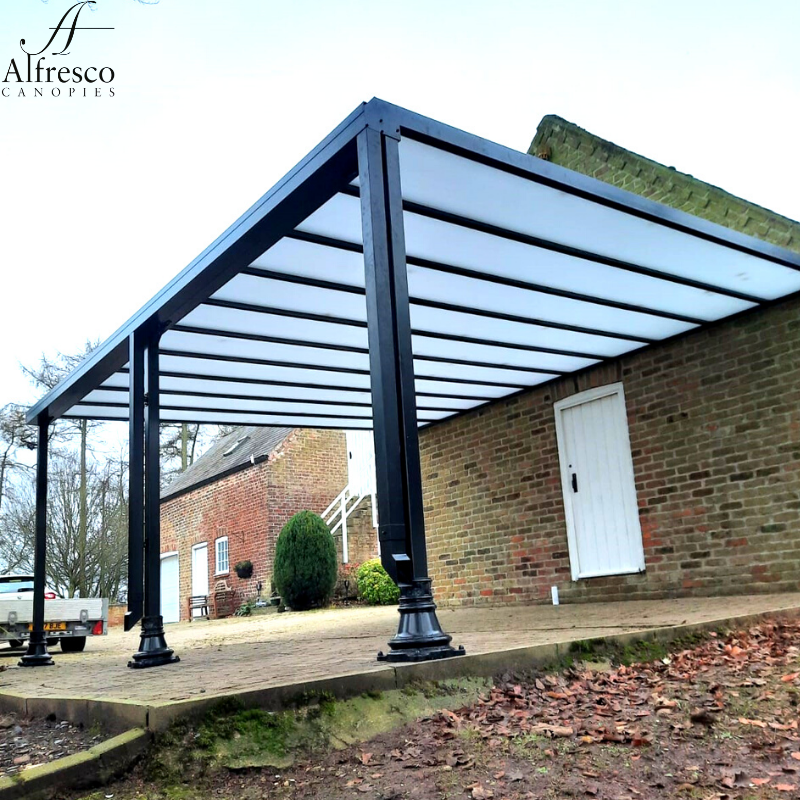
x=241, y=654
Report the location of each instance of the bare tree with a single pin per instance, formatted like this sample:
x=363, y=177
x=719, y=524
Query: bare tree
x=181, y=444
x=47, y=374
x=225, y=430
x=102, y=572
x=178, y=445
x=14, y=435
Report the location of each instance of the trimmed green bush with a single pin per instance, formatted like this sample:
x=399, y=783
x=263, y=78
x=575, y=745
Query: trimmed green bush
x=375, y=586
x=305, y=562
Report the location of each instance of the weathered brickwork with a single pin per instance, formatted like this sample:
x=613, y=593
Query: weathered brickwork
x=306, y=471
x=714, y=421
x=569, y=146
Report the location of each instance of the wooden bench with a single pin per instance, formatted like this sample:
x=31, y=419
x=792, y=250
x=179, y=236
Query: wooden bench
x=198, y=603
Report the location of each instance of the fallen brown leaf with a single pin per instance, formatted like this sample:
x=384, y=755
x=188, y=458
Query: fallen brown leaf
x=755, y=722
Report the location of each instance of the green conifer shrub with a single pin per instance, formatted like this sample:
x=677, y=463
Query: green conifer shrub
x=305, y=562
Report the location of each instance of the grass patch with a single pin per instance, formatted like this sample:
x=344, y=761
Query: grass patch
x=639, y=651
x=234, y=738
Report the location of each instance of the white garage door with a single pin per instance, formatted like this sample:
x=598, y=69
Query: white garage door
x=170, y=592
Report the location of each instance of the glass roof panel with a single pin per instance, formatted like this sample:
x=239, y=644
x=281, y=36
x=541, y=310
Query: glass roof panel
x=230, y=417
x=471, y=325
x=97, y=412
x=228, y=347
x=339, y=218
x=442, y=180
x=429, y=386
x=273, y=325
x=289, y=296
x=503, y=356
x=294, y=257
x=504, y=377
x=458, y=246
x=430, y=284
x=230, y=369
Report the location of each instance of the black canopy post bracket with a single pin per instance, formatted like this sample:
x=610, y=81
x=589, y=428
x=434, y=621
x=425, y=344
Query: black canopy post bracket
x=136, y=481
x=37, y=654
x=399, y=480
x=153, y=649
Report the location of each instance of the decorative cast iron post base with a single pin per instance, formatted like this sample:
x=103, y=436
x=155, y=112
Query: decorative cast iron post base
x=420, y=636
x=153, y=650
x=37, y=655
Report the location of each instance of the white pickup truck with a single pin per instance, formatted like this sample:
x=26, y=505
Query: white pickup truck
x=68, y=622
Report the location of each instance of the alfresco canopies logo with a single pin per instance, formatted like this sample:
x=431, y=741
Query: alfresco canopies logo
x=31, y=77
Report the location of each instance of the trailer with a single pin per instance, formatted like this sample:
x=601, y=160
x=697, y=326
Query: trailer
x=66, y=621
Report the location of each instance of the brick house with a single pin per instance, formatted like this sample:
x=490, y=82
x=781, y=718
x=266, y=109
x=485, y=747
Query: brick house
x=231, y=504
x=686, y=473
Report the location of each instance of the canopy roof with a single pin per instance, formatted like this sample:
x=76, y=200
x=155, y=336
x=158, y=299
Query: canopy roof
x=519, y=271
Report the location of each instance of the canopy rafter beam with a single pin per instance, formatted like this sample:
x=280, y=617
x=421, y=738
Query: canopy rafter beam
x=429, y=334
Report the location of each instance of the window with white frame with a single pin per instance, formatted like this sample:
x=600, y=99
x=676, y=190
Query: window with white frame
x=222, y=555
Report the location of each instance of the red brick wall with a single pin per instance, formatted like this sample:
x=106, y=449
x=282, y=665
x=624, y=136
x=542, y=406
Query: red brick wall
x=308, y=474
x=714, y=423
x=116, y=615
x=251, y=506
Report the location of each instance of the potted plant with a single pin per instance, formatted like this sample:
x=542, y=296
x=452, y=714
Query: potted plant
x=244, y=569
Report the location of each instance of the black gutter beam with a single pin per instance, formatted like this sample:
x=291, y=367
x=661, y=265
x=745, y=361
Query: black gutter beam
x=310, y=184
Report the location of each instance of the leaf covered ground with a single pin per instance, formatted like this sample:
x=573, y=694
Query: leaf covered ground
x=711, y=721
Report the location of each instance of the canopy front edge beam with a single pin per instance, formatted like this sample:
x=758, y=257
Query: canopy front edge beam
x=317, y=178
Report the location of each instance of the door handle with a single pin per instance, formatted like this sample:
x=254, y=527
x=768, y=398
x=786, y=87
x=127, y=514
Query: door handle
x=574, y=482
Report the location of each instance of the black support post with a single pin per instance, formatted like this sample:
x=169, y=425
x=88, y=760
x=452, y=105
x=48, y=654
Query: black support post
x=399, y=480
x=37, y=655
x=153, y=650
x=135, y=481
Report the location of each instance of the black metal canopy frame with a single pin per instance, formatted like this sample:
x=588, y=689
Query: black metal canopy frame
x=403, y=273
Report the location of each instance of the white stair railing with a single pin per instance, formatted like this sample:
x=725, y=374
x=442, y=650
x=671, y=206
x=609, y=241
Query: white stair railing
x=336, y=514
x=361, y=470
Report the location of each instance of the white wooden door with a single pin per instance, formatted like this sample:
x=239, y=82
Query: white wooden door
x=199, y=572
x=170, y=588
x=360, y=461
x=603, y=530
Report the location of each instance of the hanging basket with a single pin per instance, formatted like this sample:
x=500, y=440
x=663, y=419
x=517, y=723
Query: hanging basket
x=244, y=569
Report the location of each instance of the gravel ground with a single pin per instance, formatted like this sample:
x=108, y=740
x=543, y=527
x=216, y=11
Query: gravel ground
x=25, y=743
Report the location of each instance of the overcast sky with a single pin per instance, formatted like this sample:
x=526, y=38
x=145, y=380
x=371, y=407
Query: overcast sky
x=104, y=199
